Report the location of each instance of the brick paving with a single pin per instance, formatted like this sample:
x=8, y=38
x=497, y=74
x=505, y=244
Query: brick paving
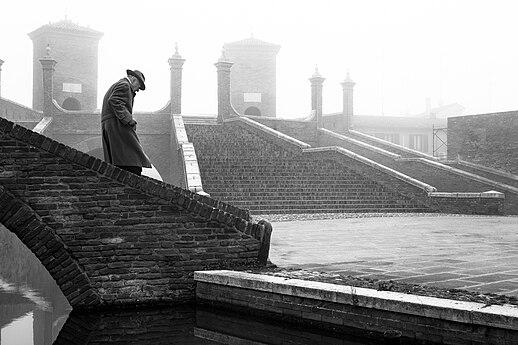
x=475, y=253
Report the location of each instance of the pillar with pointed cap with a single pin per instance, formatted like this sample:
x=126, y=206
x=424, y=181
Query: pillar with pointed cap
x=348, y=110
x=316, y=96
x=47, y=64
x=176, y=64
x=1, y=63
x=225, y=108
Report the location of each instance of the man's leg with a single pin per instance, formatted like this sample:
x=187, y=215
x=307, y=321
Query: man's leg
x=131, y=169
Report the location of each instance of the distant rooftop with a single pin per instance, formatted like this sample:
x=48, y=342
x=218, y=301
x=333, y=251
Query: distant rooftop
x=252, y=42
x=65, y=25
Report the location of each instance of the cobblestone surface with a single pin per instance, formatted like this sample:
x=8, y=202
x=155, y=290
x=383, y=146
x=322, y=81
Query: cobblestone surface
x=451, y=256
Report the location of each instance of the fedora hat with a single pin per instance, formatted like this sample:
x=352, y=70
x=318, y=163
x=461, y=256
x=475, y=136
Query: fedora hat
x=140, y=76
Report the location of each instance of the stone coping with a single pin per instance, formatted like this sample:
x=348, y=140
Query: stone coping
x=396, y=146
x=485, y=195
x=499, y=316
x=466, y=174
x=375, y=165
x=486, y=169
x=361, y=144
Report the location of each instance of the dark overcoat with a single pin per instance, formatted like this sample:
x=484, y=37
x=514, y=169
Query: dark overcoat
x=121, y=145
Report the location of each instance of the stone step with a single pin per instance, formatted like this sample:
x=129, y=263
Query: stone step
x=294, y=210
x=322, y=204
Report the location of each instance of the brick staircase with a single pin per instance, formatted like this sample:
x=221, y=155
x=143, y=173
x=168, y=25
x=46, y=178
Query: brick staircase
x=242, y=167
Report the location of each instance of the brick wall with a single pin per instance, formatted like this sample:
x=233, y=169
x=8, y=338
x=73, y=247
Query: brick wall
x=17, y=112
x=111, y=237
x=487, y=139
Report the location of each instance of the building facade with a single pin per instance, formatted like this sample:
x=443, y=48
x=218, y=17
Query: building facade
x=75, y=79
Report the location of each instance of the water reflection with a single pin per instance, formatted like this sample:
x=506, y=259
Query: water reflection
x=188, y=325
x=33, y=311
x=32, y=308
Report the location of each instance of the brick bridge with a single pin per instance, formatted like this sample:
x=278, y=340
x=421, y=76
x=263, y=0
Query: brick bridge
x=112, y=238
x=109, y=237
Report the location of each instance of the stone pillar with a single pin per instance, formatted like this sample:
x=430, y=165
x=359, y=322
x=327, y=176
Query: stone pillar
x=1, y=63
x=47, y=64
x=176, y=64
x=225, y=108
x=348, y=98
x=316, y=96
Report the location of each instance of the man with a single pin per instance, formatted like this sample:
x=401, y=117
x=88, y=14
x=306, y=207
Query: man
x=121, y=145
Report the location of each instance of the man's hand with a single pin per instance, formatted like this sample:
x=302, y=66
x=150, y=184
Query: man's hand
x=132, y=123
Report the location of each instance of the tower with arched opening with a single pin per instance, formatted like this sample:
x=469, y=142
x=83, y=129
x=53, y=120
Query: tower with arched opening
x=254, y=76
x=75, y=48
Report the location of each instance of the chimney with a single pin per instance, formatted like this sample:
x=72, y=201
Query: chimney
x=176, y=64
x=316, y=96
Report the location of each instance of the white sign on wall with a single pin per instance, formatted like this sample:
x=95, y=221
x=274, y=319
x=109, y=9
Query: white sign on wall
x=71, y=87
x=252, y=97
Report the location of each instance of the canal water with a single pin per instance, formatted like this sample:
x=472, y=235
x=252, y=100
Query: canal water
x=33, y=311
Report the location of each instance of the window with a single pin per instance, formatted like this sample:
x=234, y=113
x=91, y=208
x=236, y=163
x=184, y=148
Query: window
x=72, y=87
x=252, y=97
x=418, y=142
x=390, y=137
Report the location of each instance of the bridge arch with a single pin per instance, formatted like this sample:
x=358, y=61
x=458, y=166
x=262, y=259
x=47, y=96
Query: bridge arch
x=110, y=237
x=27, y=225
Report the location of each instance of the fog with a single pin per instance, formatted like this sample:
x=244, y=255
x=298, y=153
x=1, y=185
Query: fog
x=398, y=52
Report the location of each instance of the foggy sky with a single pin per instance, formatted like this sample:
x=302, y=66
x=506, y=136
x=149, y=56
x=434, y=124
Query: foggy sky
x=398, y=52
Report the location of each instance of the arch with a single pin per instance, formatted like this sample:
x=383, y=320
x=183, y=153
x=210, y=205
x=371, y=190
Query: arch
x=71, y=104
x=27, y=225
x=253, y=111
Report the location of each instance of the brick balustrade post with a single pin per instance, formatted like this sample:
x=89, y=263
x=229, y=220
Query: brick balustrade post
x=348, y=99
x=225, y=108
x=47, y=64
x=316, y=96
x=176, y=64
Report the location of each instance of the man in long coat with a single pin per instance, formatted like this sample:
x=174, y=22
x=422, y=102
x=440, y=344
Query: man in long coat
x=121, y=145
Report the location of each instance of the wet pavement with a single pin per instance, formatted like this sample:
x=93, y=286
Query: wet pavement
x=475, y=253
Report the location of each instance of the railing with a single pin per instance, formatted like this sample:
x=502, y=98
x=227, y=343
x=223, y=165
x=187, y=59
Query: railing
x=187, y=156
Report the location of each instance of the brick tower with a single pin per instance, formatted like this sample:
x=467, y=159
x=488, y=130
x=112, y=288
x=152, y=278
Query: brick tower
x=253, y=77
x=75, y=49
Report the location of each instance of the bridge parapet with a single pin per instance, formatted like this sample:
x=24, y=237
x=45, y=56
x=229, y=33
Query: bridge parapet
x=126, y=240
